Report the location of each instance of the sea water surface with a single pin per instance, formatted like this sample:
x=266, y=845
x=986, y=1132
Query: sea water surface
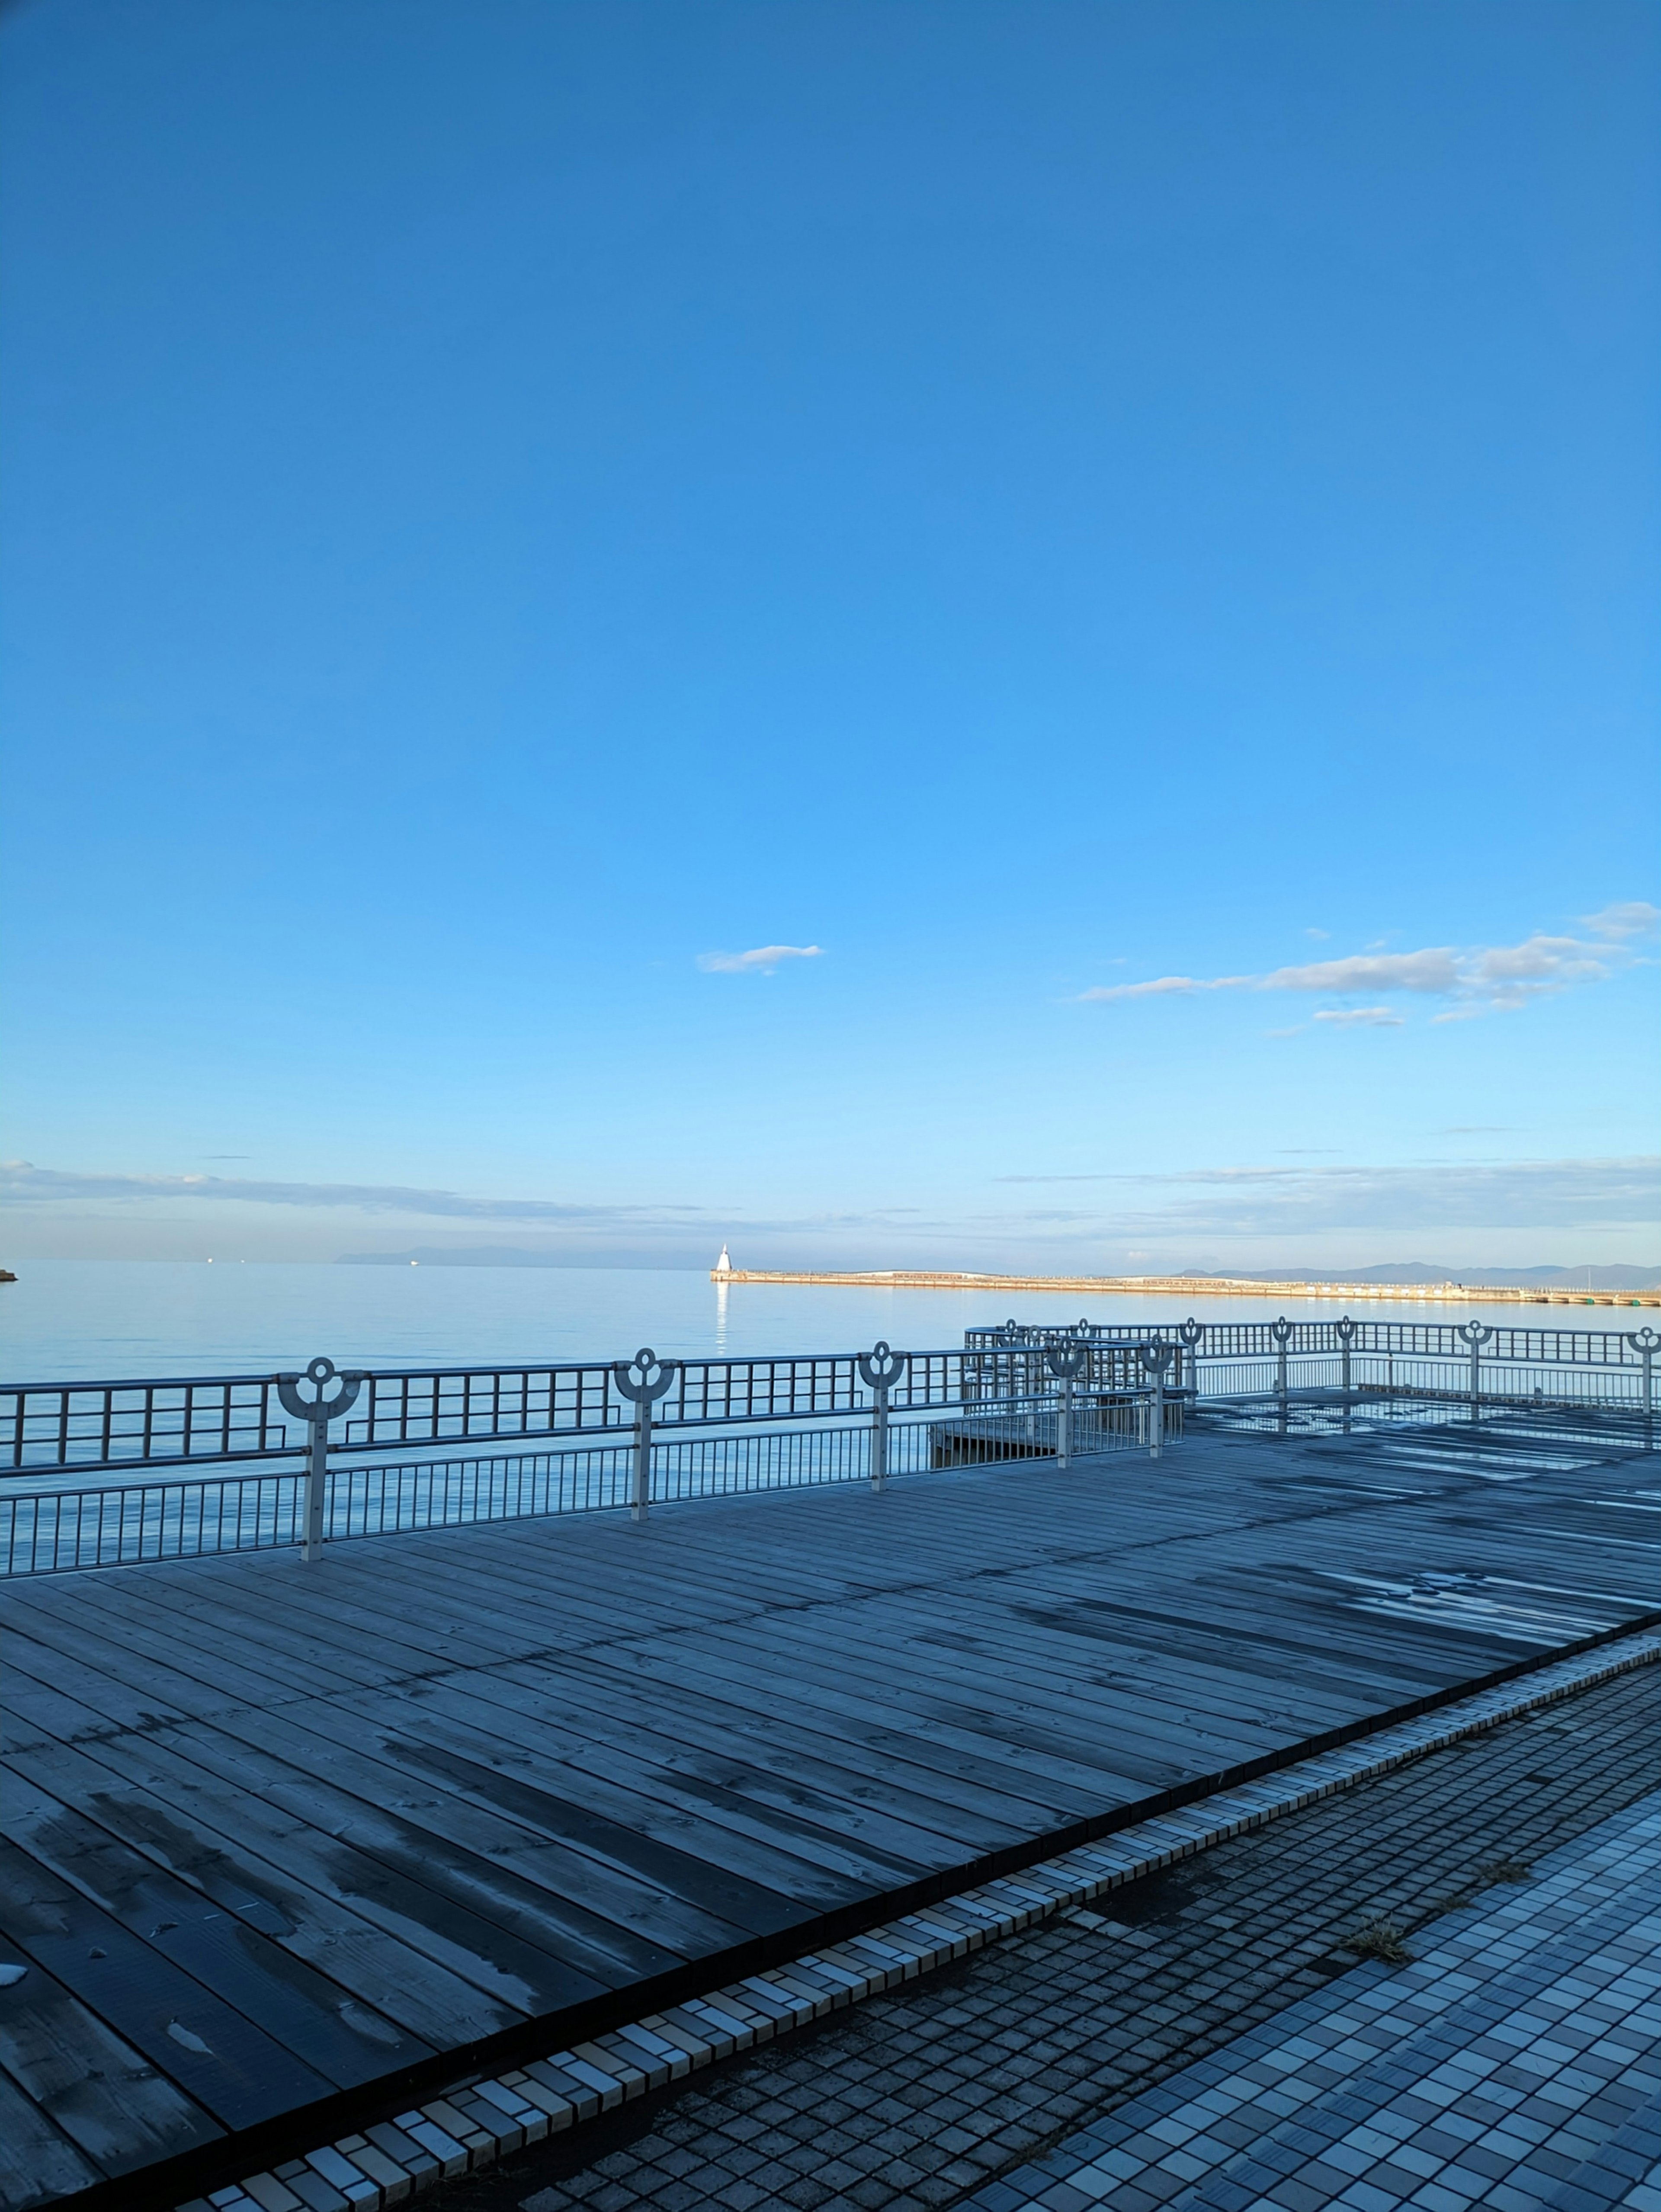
x=91, y=1320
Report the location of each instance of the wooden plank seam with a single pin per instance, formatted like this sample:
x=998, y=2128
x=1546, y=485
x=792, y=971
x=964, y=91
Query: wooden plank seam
x=480, y=2120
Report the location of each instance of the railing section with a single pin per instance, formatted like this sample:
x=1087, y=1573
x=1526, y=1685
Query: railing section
x=1236, y=1340
x=648, y=1429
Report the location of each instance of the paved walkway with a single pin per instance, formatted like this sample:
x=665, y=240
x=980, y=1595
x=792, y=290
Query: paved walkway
x=1497, y=2068
x=924, y=2097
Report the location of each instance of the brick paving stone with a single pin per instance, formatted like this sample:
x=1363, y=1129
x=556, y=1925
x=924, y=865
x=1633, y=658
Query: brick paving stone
x=1049, y=2030
x=1512, y=1975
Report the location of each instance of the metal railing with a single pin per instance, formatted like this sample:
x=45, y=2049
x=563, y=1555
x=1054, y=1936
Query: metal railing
x=1471, y=1360
x=1235, y=1339
x=295, y=1448
x=192, y=1516
x=91, y=1426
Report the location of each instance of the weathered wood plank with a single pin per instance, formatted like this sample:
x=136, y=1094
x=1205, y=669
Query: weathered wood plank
x=385, y=1973
x=38, y=2161
x=230, y=2065
x=118, y=2110
x=310, y=2013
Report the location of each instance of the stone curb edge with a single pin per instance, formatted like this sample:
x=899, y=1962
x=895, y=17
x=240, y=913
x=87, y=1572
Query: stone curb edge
x=485, y=2118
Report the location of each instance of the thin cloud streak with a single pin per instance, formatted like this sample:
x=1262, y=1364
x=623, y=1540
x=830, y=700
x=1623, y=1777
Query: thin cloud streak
x=1434, y=971
x=1274, y=1201
x=1168, y=986
x=21, y=1182
x=1633, y=918
x=761, y=960
x=1474, y=979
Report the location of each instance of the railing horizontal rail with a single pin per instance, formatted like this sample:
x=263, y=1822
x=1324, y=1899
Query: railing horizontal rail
x=1499, y=1384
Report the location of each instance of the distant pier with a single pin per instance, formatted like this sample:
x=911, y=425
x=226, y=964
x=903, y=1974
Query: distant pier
x=1208, y=1286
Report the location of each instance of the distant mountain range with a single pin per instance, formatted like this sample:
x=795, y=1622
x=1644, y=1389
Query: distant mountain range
x=1411, y=1271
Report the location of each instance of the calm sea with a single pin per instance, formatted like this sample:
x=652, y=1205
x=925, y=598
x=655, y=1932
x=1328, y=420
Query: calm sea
x=85, y=1319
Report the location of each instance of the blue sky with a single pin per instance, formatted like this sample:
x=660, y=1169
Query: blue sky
x=513, y=507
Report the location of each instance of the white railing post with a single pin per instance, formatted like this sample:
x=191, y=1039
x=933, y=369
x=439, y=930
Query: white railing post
x=1191, y=1331
x=1344, y=1329
x=1646, y=1342
x=1476, y=1335
x=1066, y=1366
x=880, y=1369
x=1155, y=1359
x=1280, y=1330
x=643, y=1380
x=316, y=1412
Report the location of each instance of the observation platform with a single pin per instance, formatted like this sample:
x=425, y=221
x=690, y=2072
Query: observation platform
x=281, y=1845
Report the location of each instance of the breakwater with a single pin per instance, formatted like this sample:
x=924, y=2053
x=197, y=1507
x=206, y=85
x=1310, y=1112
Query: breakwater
x=1210, y=1287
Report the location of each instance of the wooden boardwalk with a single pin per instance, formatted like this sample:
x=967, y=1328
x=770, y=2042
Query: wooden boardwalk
x=279, y=1842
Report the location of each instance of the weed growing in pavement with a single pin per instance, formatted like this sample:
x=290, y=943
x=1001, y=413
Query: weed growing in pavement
x=1505, y=1870
x=1380, y=1939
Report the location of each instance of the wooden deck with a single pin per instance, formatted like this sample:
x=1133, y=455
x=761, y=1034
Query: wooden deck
x=279, y=1842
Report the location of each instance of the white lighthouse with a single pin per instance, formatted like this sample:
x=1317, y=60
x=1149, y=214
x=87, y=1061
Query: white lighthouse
x=723, y=1265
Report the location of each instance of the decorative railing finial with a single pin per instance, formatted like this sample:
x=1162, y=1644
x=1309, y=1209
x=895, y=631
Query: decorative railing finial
x=320, y=1408
x=1067, y=1362
x=645, y=1378
x=879, y=1368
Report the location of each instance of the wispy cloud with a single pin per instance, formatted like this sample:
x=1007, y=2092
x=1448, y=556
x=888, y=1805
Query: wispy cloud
x=760, y=960
x=1258, y=1201
x=1474, y=978
x=1434, y=970
x=1522, y=1194
x=1104, y=1177
x=1635, y=918
x=1168, y=986
x=20, y=1182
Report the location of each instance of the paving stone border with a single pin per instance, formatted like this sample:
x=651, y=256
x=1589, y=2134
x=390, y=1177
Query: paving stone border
x=482, y=2119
